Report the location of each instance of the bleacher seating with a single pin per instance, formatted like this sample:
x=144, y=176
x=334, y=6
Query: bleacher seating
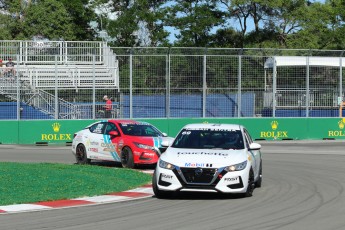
x=70, y=65
x=73, y=76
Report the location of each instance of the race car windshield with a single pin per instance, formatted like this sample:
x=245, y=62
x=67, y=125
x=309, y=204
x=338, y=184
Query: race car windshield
x=209, y=139
x=141, y=130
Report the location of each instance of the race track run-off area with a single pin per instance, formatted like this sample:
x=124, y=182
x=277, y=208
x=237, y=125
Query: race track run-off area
x=303, y=188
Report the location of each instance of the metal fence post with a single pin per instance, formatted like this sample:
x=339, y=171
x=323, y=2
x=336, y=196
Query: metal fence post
x=307, y=96
x=167, y=99
x=17, y=71
x=131, y=84
x=274, y=88
x=239, y=92
x=93, y=87
x=204, y=85
x=56, y=91
x=341, y=77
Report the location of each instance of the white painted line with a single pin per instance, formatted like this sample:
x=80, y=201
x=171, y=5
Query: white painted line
x=23, y=207
x=103, y=198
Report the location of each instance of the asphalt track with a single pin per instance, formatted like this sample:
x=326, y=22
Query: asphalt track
x=303, y=188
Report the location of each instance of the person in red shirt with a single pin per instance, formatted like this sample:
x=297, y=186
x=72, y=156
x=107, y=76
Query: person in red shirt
x=107, y=107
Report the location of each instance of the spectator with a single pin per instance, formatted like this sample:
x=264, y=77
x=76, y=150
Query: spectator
x=107, y=107
x=10, y=68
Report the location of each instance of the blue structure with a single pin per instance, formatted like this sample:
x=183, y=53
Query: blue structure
x=8, y=111
x=217, y=105
x=302, y=113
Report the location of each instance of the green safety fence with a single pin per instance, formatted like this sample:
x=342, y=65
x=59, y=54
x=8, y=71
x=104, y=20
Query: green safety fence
x=61, y=131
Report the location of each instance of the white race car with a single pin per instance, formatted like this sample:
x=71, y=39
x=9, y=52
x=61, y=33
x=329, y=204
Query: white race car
x=209, y=158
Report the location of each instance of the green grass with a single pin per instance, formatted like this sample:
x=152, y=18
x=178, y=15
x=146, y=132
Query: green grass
x=31, y=182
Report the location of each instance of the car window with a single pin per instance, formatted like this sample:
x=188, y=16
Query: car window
x=110, y=127
x=140, y=130
x=98, y=128
x=209, y=139
x=151, y=131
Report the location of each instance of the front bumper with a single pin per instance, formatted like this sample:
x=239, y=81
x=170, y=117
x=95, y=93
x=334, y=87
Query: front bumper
x=146, y=156
x=202, y=180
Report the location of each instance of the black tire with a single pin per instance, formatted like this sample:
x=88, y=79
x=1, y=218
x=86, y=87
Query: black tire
x=259, y=181
x=81, y=156
x=159, y=193
x=251, y=184
x=127, y=160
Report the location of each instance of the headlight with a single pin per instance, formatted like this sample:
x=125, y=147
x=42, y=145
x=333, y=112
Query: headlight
x=142, y=146
x=237, y=167
x=166, y=165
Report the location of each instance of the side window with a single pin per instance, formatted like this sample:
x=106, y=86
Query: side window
x=98, y=128
x=149, y=131
x=110, y=127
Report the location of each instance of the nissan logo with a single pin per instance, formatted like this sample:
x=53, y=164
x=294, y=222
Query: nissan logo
x=198, y=171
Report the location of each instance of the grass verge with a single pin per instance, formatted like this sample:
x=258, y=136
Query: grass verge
x=33, y=182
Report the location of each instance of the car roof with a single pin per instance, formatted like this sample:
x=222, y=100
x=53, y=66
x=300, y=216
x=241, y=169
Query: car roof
x=126, y=121
x=213, y=126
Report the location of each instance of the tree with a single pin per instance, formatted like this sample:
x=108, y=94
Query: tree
x=50, y=19
x=81, y=15
x=196, y=21
x=132, y=23
x=226, y=38
x=54, y=19
x=316, y=27
x=10, y=18
x=245, y=10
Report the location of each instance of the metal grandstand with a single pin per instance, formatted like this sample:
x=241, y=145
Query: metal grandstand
x=44, y=65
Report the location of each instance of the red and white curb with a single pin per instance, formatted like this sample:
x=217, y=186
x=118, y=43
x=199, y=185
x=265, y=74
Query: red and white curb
x=141, y=192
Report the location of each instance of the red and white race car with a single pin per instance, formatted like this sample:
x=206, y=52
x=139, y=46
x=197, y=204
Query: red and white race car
x=127, y=141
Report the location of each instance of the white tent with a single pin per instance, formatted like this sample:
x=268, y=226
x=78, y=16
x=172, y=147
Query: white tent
x=274, y=62
x=303, y=61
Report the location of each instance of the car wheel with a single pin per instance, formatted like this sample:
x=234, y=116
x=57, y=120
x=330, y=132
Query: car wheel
x=251, y=184
x=127, y=160
x=159, y=193
x=259, y=181
x=81, y=156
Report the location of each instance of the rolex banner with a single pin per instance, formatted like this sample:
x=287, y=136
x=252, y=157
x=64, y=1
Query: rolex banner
x=61, y=131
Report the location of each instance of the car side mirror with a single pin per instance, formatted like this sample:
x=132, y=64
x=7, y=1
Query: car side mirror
x=254, y=146
x=114, y=133
x=164, y=134
x=166, y=143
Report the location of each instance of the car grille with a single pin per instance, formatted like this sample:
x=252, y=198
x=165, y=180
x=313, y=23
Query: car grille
x=193, y=175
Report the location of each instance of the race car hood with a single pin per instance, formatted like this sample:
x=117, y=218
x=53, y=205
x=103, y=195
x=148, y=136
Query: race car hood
x=214, y=158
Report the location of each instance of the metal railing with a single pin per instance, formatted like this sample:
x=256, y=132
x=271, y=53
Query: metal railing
x=189, y=82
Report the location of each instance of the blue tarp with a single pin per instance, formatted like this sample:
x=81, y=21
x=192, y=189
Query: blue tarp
x=217, y=105
x=8, y=110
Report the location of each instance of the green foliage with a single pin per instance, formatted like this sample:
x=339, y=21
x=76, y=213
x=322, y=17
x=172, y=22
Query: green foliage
x=81, y=17
x=28, y=183
x=226, y=38
x=195, y=21
x=137, y=23
x=68, y=20
x=50, y=19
